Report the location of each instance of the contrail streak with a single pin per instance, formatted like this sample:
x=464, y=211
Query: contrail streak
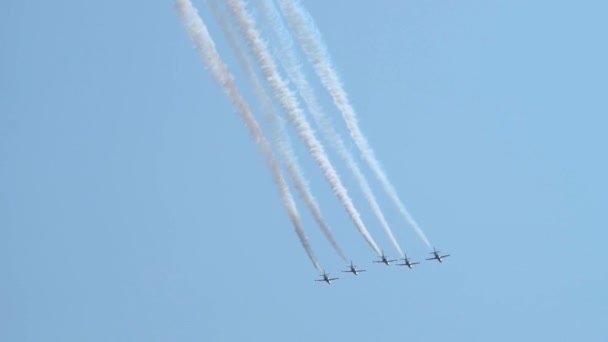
x=290, y=104
x=310, y=39
x=290, y=62
x=278, y=132
x=205, y=46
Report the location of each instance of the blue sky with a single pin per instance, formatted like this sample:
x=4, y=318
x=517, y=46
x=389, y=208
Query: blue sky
x=133, y=205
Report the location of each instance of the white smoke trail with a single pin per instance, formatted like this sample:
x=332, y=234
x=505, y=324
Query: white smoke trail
x=309, y=37
x=205, y=46
x=278, y=132
x=289, y=60
x=290, y=104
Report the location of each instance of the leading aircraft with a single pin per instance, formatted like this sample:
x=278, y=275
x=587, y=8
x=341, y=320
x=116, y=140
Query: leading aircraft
x=353, y=269
x=326, y=278
x=407, y=262
x=384, y=259
x=436, y=255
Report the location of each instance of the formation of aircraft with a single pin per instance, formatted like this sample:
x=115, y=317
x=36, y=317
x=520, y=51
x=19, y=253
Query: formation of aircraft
x=407, y=262
x=436, y=255
x=384, y=260
x=352, y=268
x=326, y=278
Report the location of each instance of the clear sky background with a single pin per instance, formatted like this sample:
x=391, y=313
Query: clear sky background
x=134, y=206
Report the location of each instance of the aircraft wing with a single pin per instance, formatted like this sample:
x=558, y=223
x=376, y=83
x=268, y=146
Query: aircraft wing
x=414, y=263
x=445, y=256
x=334, y=278
x=433, y=258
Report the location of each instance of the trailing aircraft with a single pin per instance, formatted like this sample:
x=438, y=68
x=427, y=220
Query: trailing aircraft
x=353, y=269
x=326, y=278
x=408, y=263
x=384, y=260
x=436, y=255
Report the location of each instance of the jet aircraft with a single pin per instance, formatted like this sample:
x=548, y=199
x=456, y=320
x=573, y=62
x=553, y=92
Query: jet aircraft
x=436, y=255
x=407, y=262
x=353, y=269
x=326, y=278
x=384, y=260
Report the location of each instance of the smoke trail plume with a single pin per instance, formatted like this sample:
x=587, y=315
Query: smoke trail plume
x=205, y=46
x=310, y=39
x=289, y=60
x=278, y=132
x=290, y=104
